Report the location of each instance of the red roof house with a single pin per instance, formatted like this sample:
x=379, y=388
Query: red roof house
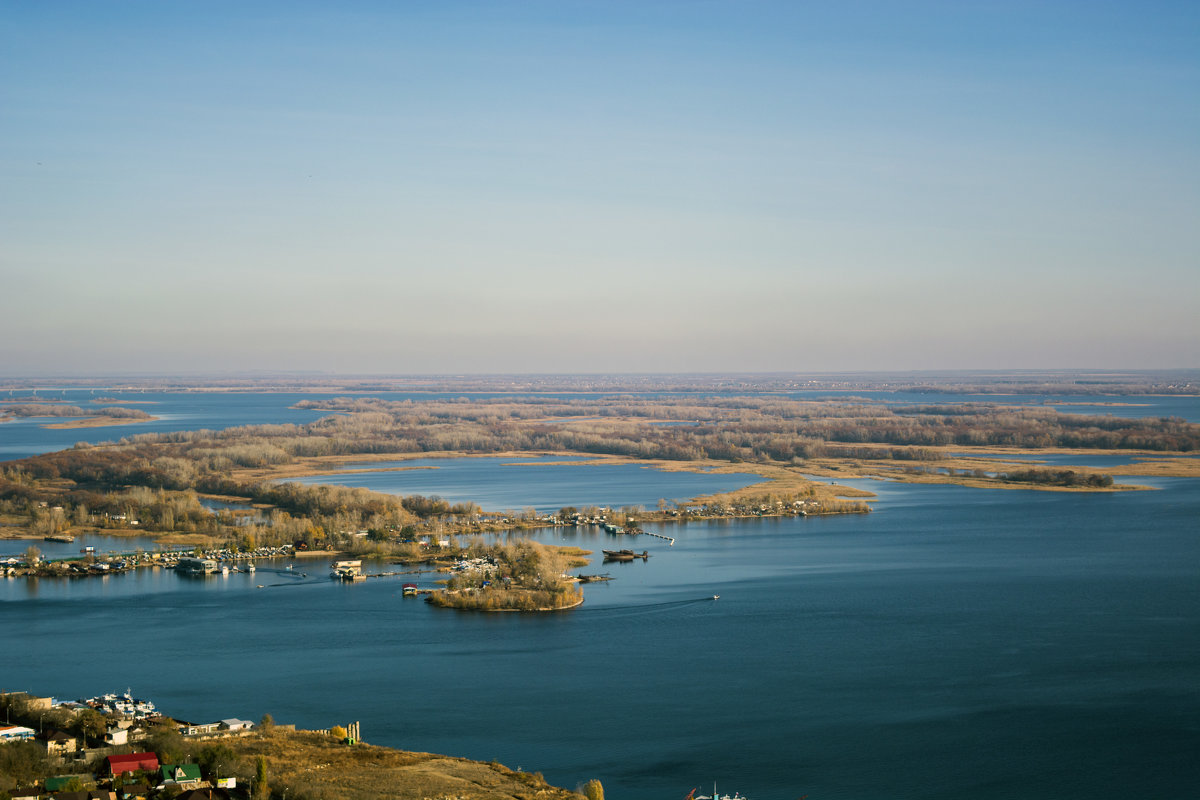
x=132, y=763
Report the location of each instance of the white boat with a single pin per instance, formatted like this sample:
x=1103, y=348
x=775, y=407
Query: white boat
x=249, y=568
x=714, y=796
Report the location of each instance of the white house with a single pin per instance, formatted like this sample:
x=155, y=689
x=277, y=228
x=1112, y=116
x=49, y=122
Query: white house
x=15, y=733
x=236, y=724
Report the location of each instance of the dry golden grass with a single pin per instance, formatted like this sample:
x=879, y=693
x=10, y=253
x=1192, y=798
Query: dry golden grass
x=97, y=422
x=315, y=765
x=185, y=539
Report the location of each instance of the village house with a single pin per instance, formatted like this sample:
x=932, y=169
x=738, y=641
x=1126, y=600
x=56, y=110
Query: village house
x=185, y=776
x=119, y=765
x=205, y=794
x=116, y=737
x=15, y=733
x=31, y=703
x=58, y=744
x=62, y=783
x=234, y=724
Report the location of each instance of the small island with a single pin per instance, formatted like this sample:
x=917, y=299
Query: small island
x=523, y=576
x=82, y=418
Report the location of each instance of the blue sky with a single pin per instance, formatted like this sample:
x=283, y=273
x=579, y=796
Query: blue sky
x=598, y=186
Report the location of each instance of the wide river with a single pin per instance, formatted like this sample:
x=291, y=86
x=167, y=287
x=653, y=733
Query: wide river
x=955, y=643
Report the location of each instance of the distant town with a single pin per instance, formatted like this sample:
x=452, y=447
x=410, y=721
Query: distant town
x=121, y=747
x=113, y=746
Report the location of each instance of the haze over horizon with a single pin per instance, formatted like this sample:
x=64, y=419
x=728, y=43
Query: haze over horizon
x=584, y=187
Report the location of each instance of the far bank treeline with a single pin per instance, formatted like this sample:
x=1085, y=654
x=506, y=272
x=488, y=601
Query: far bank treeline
x=58, y=410
x=157, y=476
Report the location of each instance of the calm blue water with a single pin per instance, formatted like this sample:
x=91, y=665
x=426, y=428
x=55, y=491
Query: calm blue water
x=1129, y=406
x=955, y=643
x=103, y=544
x=1092, y=460
x=544, y=483
x=177, y=411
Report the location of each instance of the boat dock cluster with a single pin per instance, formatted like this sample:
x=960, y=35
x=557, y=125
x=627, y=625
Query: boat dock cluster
x=225, y=556
x=485, y=566
x=125, y=705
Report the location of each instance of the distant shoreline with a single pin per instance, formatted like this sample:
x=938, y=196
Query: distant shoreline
x=97, y=422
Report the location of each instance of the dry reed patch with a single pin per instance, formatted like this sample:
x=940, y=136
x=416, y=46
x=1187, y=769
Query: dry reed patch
x=186, y=539
x=97, y=422
x=1167, y=468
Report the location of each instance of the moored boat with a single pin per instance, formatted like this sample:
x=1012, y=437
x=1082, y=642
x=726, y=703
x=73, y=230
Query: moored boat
x=714, y=796
x=624, y=555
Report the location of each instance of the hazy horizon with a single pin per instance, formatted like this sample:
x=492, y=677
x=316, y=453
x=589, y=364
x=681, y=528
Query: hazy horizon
x=587, y=188
x=1172, y=381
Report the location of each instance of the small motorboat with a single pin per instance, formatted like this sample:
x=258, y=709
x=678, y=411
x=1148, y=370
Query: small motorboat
x=624, y=555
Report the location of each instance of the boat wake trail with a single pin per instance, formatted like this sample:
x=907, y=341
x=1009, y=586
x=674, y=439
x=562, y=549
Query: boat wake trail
x=642, y=609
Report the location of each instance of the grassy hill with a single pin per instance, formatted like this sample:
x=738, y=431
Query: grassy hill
x=318, y=767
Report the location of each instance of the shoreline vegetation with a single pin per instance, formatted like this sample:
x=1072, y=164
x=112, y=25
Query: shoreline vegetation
x=99, y=422
x=269, y=761
x=83, y=418
x=152, y=484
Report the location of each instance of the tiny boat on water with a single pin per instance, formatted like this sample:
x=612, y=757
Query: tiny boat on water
x=624, y=555
x=735, y=796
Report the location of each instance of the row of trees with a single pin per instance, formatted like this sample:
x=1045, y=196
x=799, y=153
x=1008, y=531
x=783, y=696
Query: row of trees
x=1058, y=477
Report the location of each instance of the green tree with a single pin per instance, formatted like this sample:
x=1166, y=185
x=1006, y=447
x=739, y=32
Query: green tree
x=166, y=740
x=261, y=789
x=23, y=762
x=217, y=759
x=593, y=790
x=91, y=723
